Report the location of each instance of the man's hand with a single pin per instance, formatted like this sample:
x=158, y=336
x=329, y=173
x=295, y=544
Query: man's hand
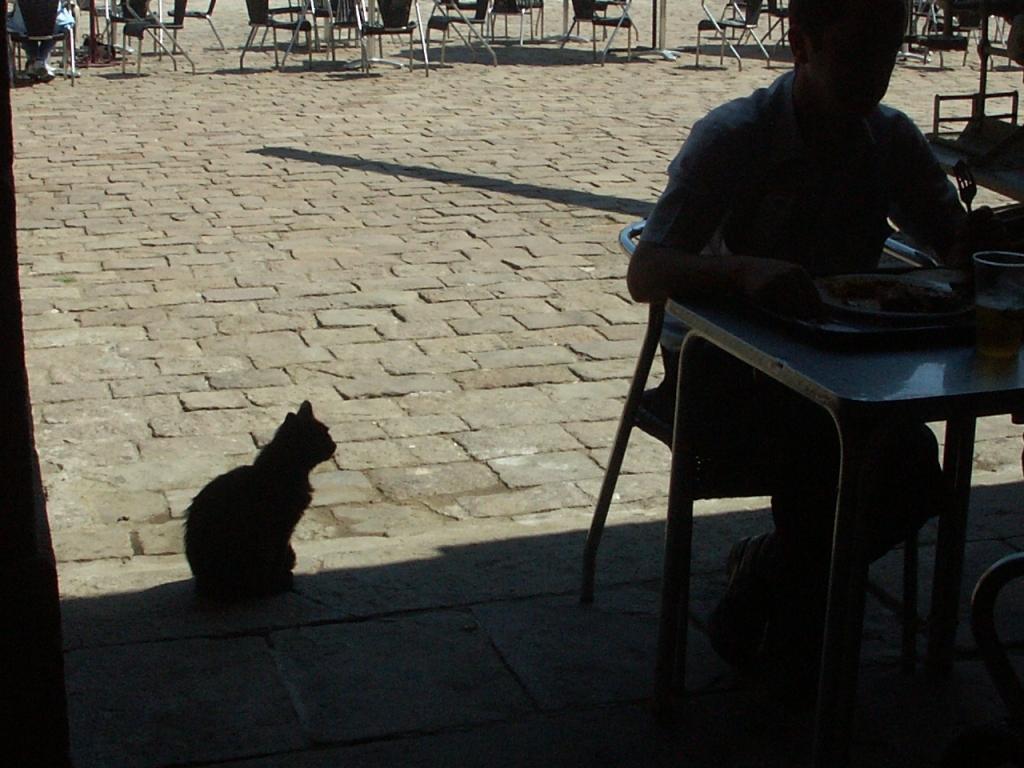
x=981, y=232
x=780, y=287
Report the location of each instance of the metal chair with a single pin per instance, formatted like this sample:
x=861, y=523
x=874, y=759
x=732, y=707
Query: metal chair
x=140, y=23
x=993, y=745
x=738, y=19
x=522, y=9
x=983, y=625
x=449, y=15
x=345, y=15
x=596, y=12
x=208, y=16
x=261, y=17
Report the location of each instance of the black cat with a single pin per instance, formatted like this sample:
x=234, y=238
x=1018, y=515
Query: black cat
x=238, y=526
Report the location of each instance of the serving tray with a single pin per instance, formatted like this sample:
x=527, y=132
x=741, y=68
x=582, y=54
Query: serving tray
x=920, y=305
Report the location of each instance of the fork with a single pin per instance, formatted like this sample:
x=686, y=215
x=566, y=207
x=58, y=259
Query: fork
x=965, y=183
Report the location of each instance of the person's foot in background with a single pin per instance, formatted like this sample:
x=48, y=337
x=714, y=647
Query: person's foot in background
x=40, y=70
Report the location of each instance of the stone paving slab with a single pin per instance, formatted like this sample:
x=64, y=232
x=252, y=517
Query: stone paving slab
x=569, y=655
x=179, y=701
x=378, y=678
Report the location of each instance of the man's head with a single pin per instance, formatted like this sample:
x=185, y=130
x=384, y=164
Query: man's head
x=845, y=51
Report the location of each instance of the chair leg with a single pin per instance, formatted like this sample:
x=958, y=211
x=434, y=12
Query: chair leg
x=248, y=41
x=214, y=30
x=71, y=54
x=611, y=475
x=423, y=40
x=670, y=665
x=569, y=33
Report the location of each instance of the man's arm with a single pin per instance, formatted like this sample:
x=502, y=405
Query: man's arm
x=657, y=273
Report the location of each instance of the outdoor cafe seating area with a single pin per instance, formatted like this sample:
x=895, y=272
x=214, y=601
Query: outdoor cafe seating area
x=108, y=31
x=417, y=214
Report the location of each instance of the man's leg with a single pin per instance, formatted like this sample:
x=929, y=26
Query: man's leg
x=787, y=569
x=902, y=486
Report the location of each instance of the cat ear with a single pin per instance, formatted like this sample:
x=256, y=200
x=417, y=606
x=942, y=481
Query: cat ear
x=305, y=410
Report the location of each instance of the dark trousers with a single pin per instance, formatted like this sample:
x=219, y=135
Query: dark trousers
x=748, y=422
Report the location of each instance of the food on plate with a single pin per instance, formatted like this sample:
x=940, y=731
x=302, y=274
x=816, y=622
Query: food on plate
x=891, y=294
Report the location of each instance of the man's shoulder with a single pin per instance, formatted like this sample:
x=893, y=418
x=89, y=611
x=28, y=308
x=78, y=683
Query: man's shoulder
x=738, y=120
x=892, y=124
x=763, y=104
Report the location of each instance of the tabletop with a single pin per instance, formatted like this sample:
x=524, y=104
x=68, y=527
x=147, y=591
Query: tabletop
x=926, y=379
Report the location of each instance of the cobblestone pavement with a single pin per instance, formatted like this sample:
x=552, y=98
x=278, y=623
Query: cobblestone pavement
x=432, y=261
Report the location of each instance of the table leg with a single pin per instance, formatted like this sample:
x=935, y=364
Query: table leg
x=657, y=34
x=844, y=618
x=670, y=666
x=957, y=459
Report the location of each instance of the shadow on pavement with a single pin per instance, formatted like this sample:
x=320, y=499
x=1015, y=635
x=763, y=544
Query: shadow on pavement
x=435, y=650
x=574, y=197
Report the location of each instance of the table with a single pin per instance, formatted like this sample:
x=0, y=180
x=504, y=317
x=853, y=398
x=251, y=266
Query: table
x=1006, y=181
x=861, y=388
x=657, y=32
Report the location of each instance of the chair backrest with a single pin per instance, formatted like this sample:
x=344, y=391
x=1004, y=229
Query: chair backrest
x=751, y=10
x=480, y=10
x=394, y=13
x=40, y=16
x=345, y=12
x=178, y=13
x=258, y=11
x=583, y=9
x=134, y=9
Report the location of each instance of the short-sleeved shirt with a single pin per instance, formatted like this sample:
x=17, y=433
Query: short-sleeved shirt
x=745, y=183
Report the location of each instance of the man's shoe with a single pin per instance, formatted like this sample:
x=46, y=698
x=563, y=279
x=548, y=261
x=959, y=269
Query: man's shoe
x=737, y=624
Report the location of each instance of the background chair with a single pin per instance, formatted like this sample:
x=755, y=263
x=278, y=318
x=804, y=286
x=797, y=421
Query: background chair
x=596, y=12
x=346, y=16
x=208, y=16
x=736, y=23
x=40, y=17
x=449, y=15
x=394, y=19
x=261, y=18
x=140, y=22
x=993, y=746
x=778, y=15
x=930, y=31
x=522, y=9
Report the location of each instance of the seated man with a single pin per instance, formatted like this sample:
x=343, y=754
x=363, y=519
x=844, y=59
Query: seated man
x=37, y=52
x=795, y=181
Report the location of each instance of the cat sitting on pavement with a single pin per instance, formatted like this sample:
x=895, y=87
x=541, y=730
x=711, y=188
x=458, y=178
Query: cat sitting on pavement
x=238, y=527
